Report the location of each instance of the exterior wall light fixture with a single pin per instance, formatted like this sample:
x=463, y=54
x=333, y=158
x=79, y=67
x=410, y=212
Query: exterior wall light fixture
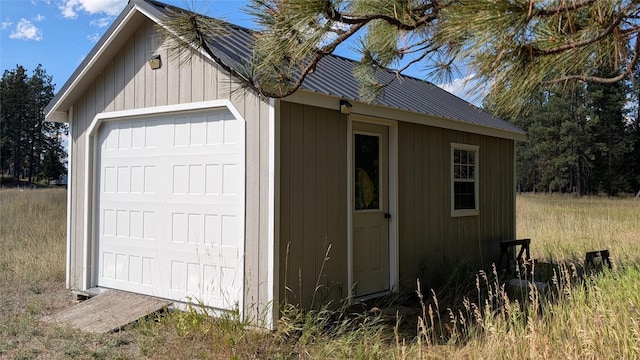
x=155, y=62
x=345, y=107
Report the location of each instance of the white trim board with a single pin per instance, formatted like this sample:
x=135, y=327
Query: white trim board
x=70, y=189
x=89, y=275
x=273, y=216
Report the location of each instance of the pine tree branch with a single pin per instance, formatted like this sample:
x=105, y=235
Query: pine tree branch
x=574, y=5
x=570, y=46
x=418, y=16
x=606, y=80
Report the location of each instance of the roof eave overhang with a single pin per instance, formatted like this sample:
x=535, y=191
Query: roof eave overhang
x=114, y=38
x=306, y=97
x=58, y=116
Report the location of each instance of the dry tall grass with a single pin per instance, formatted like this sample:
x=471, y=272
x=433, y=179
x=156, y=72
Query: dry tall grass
x=564, y=227
x=592, y=316
x=581, y=315
x=32, y=234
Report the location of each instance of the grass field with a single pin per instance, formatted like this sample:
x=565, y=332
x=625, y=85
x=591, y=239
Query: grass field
x=580, y=316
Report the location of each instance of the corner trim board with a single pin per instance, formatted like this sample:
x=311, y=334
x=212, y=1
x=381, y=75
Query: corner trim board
x=272, y=288
x=70, y=189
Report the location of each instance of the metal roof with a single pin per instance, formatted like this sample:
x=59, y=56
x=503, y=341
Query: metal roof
x=333, y=76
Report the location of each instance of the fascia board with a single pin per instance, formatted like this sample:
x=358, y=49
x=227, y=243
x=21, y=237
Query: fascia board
x=331, y=102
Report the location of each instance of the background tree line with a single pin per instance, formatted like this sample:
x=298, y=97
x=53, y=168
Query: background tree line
x=582, y=138
x=31, y=148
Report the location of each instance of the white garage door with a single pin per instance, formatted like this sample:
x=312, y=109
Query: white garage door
x=171, y=207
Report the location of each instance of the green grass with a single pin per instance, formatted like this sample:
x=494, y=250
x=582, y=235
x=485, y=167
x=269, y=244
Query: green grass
x=592, y=315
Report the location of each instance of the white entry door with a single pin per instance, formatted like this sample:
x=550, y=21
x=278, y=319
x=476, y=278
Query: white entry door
x=170, y=207
x=370, y=207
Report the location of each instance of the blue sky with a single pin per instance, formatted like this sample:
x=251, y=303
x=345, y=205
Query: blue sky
x=59, y=33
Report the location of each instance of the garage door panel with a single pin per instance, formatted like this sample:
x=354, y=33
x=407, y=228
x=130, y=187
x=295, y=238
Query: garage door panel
x=211, y=129
x=130, y=176
x=133, y=220
x=171, y=209
x=120, y=265
x=205, y=283
x=130, y=135
x=205, y=278
x=208, y=176
x=199, y=225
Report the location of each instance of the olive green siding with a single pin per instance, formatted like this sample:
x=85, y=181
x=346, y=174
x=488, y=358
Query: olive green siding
x=431, y=241
x=313, y=202
x=127, y=83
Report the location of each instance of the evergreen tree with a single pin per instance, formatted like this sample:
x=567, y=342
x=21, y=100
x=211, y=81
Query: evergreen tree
x=612, y=145
x=632, y=166
x=558, y=155
x=52, y=167
x=15, y=100
x=25, y=136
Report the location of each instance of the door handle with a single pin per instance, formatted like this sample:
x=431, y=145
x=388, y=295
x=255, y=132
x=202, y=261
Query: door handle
x=387, y=216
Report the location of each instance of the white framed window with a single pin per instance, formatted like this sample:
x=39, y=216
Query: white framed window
x=464, y=179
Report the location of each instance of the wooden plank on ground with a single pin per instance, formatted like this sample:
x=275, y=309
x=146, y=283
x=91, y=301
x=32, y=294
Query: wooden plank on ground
x=109, y=311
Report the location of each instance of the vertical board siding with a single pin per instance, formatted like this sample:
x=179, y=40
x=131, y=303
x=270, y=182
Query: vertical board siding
x=309, y=191
x=322, y=173
x=286, y=187
x=140, y=85
x=313, y=204
x=127, y=82
x=432, y=243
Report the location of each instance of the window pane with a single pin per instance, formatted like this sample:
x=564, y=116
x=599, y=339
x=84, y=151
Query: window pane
x=456, y=156
x=456, y=171
x=472, y=159
x=465, y=198
x=367, y=174
x=471, y=173
x=463, y=172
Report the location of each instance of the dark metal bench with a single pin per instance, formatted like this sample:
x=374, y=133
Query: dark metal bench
x=591, y=255
x=507, y=244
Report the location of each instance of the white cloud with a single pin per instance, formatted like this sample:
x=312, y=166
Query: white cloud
x=39, y=18
x=70, y=8
x=109, y=7
x=6, y=24
x=93, y=37
x=102, y=22
x=462, y=88
x=25, y=30
x=455, y=87
x=468, y=88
